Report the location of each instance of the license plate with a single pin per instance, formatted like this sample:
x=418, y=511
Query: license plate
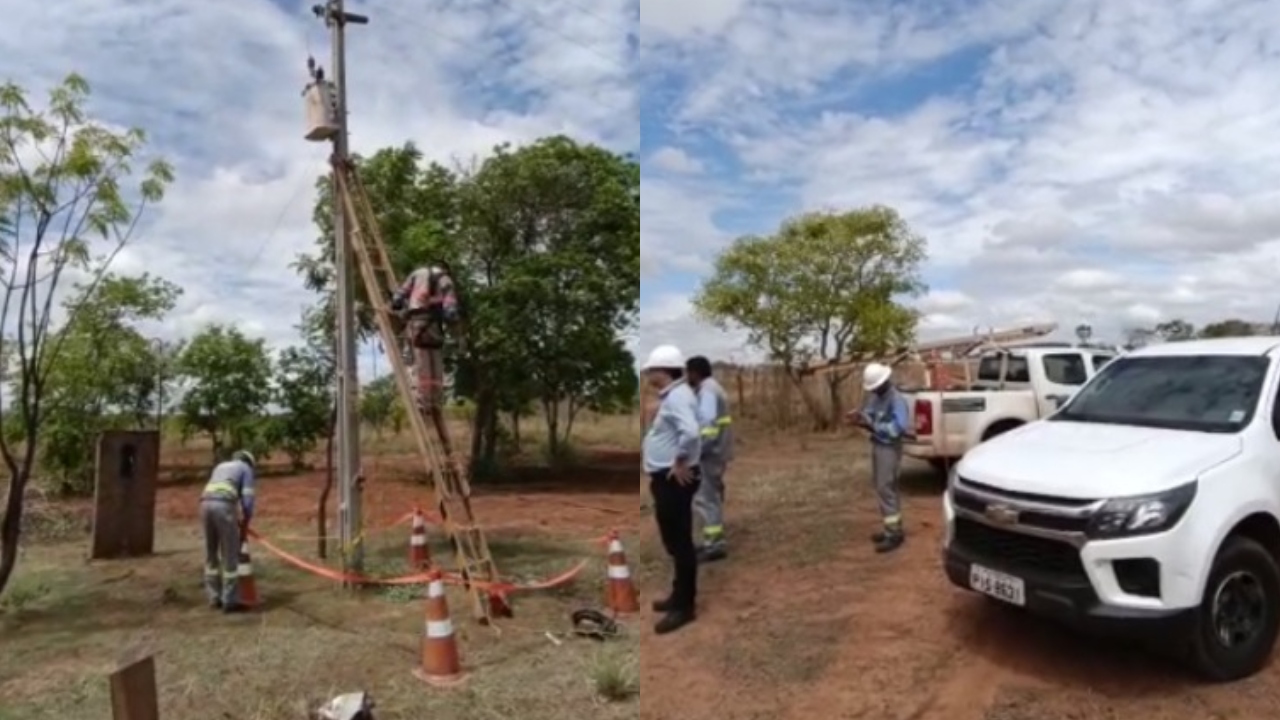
x=998, y=585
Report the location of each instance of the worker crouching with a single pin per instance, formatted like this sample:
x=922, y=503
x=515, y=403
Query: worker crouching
x=226, y=507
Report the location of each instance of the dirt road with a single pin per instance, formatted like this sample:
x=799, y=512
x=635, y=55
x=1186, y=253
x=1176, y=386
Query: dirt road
x=805, y=622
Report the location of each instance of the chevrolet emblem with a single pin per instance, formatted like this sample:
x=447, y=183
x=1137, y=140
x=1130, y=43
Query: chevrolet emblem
x=1001, y=514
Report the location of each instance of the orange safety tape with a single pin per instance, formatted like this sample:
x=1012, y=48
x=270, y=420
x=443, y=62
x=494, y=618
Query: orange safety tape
x=417, y=578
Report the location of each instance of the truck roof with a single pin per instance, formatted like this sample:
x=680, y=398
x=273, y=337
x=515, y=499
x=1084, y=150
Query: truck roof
x=1221, y=346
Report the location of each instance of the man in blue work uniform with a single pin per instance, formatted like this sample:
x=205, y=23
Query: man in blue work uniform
x=672, y=449
x=884, y=416
x=717, y=452
x=226, y=507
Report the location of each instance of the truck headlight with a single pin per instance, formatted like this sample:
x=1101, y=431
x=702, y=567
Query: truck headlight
x=1143, y=514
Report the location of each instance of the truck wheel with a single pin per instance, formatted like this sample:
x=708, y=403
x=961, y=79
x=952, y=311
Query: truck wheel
x=1235, y=627
x=1000, y=428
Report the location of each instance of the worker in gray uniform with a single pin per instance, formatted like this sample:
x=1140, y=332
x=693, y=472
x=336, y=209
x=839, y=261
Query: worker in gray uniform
x=884, y=416
x=226, y=507
x=428, y=303
x=717, y=451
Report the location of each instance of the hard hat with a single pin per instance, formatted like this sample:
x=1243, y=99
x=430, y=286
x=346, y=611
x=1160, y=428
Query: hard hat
x=664, y=357
x=245, y=456
x=875, y=375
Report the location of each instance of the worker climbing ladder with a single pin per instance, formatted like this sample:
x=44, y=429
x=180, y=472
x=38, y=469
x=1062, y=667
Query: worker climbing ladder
x=449, y=482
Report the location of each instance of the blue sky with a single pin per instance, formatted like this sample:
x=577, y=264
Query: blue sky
x=217, y=86
x=1076, y=162
x=1080, y=162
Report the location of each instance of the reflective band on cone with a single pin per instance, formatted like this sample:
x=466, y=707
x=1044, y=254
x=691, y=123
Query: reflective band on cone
x=246, y=585
x=620, y=592
x=419, y=553
x=440, y=664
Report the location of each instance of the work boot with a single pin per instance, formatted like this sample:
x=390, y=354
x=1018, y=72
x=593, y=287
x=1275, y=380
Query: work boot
x=712, y=553
x=235, y=608
x=662, y=606
x=889, y=541
x=673, y=621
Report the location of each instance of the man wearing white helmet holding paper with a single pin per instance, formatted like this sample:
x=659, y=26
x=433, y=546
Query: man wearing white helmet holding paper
x=672, y=449
x=884, y=416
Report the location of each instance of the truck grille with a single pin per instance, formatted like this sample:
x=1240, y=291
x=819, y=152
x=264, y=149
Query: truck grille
x=1015, y=551
x=1030, y=518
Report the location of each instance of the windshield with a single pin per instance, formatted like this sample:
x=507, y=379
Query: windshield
x=1203, y=393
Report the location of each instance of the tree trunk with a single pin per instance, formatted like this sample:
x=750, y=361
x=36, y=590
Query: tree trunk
x=11, y=527
x=834, y=385
x=820, y=420
x=322, y=515
x=551, y=412
x=515, y=430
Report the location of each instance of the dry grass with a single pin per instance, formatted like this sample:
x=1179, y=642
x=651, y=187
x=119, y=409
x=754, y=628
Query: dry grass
x=64, y=624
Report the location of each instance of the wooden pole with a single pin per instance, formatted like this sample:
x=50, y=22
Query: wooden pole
x=133, y=691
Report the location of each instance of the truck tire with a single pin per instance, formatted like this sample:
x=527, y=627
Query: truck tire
x=1000, y=427
x=1233, y=632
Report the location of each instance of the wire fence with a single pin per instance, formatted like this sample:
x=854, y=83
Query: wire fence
x=769, y=398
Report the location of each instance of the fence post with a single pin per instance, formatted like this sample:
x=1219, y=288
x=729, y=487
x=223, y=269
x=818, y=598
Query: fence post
x=133, y=691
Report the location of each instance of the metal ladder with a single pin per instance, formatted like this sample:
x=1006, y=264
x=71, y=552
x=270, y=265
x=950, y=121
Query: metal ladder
x=449, y=483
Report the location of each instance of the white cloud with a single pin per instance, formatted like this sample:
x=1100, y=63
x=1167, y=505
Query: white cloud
x=1080, y=162
x=675, y=160
x=217, y=86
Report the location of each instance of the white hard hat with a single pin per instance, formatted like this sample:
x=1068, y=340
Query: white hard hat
x=664, y=357
x=875, y=375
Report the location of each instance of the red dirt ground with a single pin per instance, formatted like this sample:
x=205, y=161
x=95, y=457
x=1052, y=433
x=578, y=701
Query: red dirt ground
x=583, y=502
x=805, y=622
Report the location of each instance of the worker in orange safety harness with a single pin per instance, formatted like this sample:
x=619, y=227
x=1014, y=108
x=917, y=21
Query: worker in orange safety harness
x=428, y=303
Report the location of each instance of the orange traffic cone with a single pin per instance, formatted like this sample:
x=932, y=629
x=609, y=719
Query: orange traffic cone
x=620, y=593
x=246, y=586
x=440, y=665
x=419, y=552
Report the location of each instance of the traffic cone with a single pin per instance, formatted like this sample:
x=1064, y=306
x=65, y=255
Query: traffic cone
x=246, y=586
x=620, y=593
x=440, y=665
x=419, y=552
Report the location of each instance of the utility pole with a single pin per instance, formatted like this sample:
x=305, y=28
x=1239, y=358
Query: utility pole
x=350, y=481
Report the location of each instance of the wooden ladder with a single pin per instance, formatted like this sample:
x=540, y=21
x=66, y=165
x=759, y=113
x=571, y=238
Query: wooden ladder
x=449, y=483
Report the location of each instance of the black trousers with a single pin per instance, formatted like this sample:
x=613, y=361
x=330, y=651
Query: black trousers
x=673, y=509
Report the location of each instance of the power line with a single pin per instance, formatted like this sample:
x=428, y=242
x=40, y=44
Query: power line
x=476, y=76
x=568, y=38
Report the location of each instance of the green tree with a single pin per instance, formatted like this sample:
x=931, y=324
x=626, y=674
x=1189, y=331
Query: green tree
x=1228, y=328
x=108, y=375
x=544, y=244
x=1176, y=330
x=556, y=227
x=226, y=387
x=68, y=203
x=304, y=392
x=825, y=287
x=378, y=402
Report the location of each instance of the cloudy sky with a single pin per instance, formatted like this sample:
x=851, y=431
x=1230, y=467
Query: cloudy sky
x=1116, y=163
x=217, y=85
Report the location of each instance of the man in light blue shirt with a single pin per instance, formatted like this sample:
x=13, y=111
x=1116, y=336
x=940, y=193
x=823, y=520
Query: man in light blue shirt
x=671, y=453
x=226, y=507
x=884, y=416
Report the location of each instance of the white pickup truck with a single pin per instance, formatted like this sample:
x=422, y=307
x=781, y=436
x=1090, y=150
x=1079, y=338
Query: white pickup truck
x=1014, y=387
x=1150, y=500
